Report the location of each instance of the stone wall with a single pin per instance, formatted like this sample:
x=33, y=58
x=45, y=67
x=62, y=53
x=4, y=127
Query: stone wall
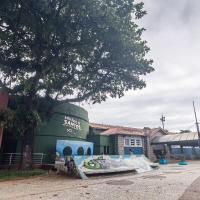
x=148, y=150
x=120, y=145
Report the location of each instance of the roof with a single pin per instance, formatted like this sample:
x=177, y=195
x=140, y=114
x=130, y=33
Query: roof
x=100, y=126
x=175, y=138
x=117, y=130
x=108, y=129
x=121, y=131
x=153, y=131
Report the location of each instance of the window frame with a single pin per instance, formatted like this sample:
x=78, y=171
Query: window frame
x=126, y=139
x=133, y=141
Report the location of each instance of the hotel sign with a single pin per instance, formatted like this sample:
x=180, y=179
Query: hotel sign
x=72, y=124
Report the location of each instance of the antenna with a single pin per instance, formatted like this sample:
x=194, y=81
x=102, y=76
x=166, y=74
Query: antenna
x=162, y=119
x=197, y=124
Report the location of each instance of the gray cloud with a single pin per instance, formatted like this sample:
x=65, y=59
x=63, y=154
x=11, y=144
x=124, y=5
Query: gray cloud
x=173, y=30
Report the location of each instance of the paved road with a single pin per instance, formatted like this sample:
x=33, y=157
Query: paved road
x=192, y=192
x=170, y=182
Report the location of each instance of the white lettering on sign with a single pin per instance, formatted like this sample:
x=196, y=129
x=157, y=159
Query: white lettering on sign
x=72, y=123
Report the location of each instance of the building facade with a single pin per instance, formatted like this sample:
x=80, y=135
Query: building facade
x=178, y=145
x=69, y=122
x=116, y=140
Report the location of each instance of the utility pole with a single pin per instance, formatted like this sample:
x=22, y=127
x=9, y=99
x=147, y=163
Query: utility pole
x=162, y=119
x=197, y=124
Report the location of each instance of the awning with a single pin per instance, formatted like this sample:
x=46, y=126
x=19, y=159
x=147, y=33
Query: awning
x=190, y=139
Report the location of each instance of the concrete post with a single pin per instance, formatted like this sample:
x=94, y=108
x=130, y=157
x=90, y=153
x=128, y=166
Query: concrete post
x=120, y=145
x=168, y=152
x=148, y=150
x=194, y=153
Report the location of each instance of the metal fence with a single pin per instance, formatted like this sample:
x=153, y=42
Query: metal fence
x=14, y=158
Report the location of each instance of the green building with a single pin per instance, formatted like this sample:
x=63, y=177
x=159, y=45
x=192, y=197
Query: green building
x=69, y=125
x=69, y=122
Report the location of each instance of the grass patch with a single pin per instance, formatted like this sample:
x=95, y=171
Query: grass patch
x=13, y=173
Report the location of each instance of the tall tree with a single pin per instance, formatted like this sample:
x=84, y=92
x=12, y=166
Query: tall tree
x=70, y=51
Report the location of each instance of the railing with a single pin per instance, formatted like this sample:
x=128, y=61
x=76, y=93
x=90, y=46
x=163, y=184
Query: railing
x=14, y=158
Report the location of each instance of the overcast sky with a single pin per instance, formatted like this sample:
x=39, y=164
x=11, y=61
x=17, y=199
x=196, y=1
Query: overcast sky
x=173, y=34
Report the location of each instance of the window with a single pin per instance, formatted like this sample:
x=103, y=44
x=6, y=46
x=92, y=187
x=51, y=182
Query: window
x=133, y=142
x=138, y=142
x=126, y=142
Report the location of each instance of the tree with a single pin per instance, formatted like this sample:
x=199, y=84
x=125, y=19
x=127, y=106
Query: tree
x=70, y=51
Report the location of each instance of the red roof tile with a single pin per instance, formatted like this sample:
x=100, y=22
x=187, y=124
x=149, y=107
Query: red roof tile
x=123, y=130
x=117, y=130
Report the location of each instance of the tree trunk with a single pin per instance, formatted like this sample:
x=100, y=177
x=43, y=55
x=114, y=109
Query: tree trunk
x=27, y=150
x=3, y=104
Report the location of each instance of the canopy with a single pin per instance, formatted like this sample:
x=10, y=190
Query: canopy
x=188, y=139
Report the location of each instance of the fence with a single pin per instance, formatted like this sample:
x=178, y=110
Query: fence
x=14, y=158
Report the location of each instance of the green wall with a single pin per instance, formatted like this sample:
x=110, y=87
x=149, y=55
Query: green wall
x=112, y=143
x=96, y=140
x=100, y=141
x=50, y=131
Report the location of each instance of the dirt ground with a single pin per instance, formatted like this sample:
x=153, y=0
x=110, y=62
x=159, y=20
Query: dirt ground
x=170, y=182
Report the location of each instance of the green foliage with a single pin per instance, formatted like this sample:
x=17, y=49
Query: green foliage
x=69, y=51
x=6, y=117
x=19, y=119
x=25, y=120
x=72, y=49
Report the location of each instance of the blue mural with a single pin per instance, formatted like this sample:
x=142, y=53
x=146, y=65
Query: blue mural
x=74, y=146
x=135, y=150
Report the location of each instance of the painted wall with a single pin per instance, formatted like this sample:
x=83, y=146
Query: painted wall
x=100, y=141
x=74, y=146
x=70, y=122
x=135, y=150
x=96, y=140
x=135, y=144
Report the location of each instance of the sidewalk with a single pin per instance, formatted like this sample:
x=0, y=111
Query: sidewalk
x=170, y=182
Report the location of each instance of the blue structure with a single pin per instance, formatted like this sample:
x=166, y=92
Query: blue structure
x=179, y=145
x=134, y=150
x=73, y=148
x=162, y=161
x=187, y=151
